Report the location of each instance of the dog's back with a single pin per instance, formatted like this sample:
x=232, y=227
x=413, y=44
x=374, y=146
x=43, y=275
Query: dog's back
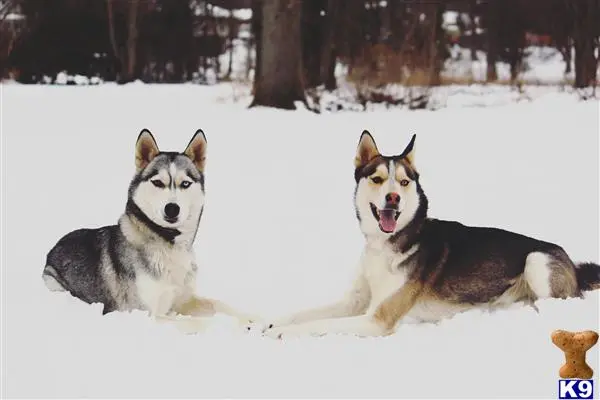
x=76, y=264
x=477, y=264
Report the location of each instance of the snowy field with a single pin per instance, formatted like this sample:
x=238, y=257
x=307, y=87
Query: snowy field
x=541, y=65
x=279, y=234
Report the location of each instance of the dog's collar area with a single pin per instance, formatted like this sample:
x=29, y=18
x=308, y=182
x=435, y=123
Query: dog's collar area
x=408, y=236
x=168, y=234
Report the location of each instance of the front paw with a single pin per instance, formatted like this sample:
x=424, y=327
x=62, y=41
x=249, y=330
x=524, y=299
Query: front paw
x=275, y=332
x=280, y=323
x=252, y=323
x=290, y=331
x=275, y=328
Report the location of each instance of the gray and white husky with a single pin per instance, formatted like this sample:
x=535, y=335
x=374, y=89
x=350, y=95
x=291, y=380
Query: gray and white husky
x=419, y=268
x=147, y=260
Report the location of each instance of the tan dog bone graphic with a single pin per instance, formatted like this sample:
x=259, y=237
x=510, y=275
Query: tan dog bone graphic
x=575, y=345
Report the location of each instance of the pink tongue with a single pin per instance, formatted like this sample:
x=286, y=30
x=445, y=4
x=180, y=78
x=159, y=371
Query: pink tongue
x=387, y=223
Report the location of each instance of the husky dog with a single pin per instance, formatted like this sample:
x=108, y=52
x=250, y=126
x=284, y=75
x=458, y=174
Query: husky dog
x=417, y=268
x=146, y=261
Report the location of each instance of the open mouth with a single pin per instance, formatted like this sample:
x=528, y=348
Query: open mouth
x=386, y=217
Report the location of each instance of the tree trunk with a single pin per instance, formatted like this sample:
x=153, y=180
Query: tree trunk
x=585, y=14
x=329, y=78
x=126, y=55
x=231, y=37
x=328, y=53
x=396, y=10
x=111, y=32
x=205, y=35
x=256, y=23
x=473, y=46
x=585, y=63
x=492, y=41
x=249, y=46
x=312, y=26
x=567, y=56
x=279, y=81
x=353, y=25
x=132, y=33
x=438, y=45
x=515, y=55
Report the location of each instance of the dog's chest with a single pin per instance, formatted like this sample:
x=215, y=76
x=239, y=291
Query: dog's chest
x=381, y=269
x=170, y=278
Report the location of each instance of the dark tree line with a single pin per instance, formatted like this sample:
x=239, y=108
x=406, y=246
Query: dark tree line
x=115, y=40
x=571, y=24
x=297, y=43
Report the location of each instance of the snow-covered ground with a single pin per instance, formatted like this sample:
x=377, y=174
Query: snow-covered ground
x=541, y=66
x=279, y=234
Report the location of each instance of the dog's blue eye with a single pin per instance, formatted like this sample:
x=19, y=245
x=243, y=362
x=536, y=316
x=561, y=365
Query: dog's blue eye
x=157, y=183
x=185, y=184
x=377, y=180
x=404, y=182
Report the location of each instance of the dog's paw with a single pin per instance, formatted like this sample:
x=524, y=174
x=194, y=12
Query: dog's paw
x=291, y=331
x=279, y=323
x=275, y=332
x=251, y=323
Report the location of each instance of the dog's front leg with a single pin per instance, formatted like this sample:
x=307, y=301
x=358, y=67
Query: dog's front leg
x=379, y=323
x=198, y=306
x=186, y=324
x=362, y=325
x=354, y=303
x=194, y=314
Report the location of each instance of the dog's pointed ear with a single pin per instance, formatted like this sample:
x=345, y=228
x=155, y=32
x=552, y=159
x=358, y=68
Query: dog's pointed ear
x=410, y=151
x=367, y=149
x=145, y=149
x=196, y=150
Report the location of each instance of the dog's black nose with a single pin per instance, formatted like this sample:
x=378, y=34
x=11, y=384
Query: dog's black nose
x=392, y=198
x=171, y=210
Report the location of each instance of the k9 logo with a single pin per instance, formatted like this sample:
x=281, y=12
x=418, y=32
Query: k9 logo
x=575, y=389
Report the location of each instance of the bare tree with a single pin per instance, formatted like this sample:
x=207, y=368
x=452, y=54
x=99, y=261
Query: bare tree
x=312, y=25
x=473, y=27
x=256, y=39
x=132, y=33
x=8, y=36
x=231, y=34
x=585, y=14
x=492, y=42
x=329, y=49
x=318, y=29
x=278, y=82
x=125, y=54
x=437, y=43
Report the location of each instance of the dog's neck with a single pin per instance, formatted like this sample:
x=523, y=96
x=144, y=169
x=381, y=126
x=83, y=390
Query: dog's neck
x=141, y=221
x=138, y=227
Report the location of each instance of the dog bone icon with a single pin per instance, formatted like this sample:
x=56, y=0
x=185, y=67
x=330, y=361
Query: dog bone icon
x=575, y=345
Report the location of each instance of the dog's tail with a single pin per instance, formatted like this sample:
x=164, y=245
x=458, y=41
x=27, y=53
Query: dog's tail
x=588, y=276
x=53, y=279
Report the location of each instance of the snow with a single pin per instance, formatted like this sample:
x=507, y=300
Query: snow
x=14, y=17
x=240, y=61
x=450, y=17
x=541, y=65
x=243, y=14
x=279, y=234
